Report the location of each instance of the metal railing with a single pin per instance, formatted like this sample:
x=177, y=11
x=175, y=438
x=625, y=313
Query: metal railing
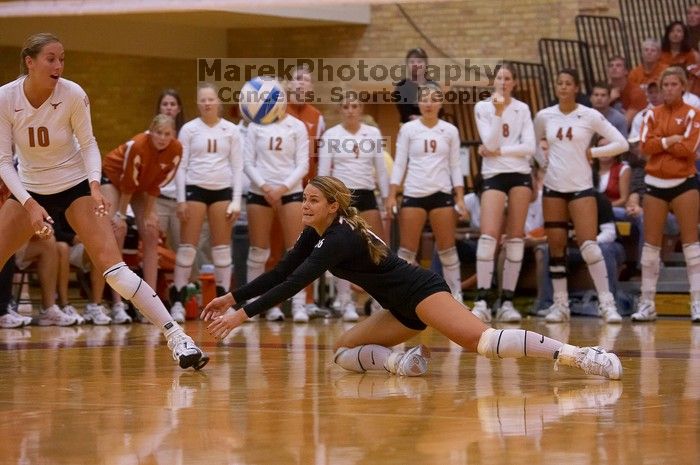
x=606, y=38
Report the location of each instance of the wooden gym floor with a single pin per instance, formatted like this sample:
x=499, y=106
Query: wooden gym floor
x=270, y=395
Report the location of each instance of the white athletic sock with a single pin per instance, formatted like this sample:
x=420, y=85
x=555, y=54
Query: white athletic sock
x=184, y=259
x=368, y=357
x=131, y=287
x=692, y=263
x=485, y=255
x=515, y=343
x=651, y=262
x=221, y=256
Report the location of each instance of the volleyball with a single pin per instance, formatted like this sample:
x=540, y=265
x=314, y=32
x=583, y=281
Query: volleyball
x=262, y=100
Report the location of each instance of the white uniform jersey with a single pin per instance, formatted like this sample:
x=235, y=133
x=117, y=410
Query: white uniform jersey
x=428, y=157
x=54, y=143
x=277, y=154
x=512, y=133
x=356, y=159
x=212, y=158
x=568, y=137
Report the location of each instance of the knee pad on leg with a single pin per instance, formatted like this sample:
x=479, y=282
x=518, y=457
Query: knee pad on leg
x=651, y=255
x=691, y=252
x=185, y=256
x=258, y=255
x=486, y=248
x=557, y=267
x=449, y=257
x=591, y=253
x=123, y=280
x=221, y=256
x=407, y=255
x=515, y=249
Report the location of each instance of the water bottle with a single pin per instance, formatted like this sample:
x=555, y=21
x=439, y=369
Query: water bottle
x=207, y=283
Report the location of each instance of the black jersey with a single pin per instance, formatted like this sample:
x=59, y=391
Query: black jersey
x=394, y=283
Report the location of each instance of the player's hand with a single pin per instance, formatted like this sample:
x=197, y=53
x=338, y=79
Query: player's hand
x=232, y=213
x=39, y=218
x=218, y=307
x=101, y=204
x=223, y=325
x=392, y=208
x=499, y=103
x=461, y=209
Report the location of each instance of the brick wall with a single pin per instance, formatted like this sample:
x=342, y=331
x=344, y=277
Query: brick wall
x=122, y=89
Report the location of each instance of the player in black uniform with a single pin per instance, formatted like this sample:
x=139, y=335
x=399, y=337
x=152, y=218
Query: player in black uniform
x=336, y=238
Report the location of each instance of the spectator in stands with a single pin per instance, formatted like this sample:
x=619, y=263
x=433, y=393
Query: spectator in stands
x=670, y=137
x=692, y=22
x=405, y=93
x=612, y=177
x=651, y=67
x=676, y=47
x=600, y=99
x=427, y=166
x=624, y=96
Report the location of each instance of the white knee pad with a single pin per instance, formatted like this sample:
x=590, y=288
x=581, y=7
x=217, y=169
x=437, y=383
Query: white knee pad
x=258, y=255
x=691, y=252
x=185, y=256
x=651, y=255
x=591, y=253
x=486, y=248
x=449, y=257
x=123, y=280
x=407, y=255
x=515, y=249
x=221, y=256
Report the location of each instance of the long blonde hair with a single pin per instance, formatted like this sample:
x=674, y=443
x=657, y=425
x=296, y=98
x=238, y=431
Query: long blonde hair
x=334, y=190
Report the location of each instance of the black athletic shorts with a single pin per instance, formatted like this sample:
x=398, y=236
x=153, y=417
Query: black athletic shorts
x=672, y=192
x=364, y=199
x=257, y=199
x=436, y=200
x=56, y=204
x=568, y=196
x=206, y=196
x=429, y=284
x=504, y=182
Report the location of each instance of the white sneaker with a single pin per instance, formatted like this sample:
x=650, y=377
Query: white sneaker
x=592, y=360
x=9, y=320
x=695, y=311
x=559, y=312
x=350, y=312
x=96, y=314
x=646, y=311
x=413, y=362
x=119, y=315
x=608, y=310
x=26, y=319
x=186, y=352
x=482, y=311
x=507, y=313
x=70, y=310
x=177, y=311
x=274, y=314
x=592, y=397
x=53, y=316
x=299, y=314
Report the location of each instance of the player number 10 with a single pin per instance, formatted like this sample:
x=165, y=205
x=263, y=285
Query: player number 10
x=41, y=137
